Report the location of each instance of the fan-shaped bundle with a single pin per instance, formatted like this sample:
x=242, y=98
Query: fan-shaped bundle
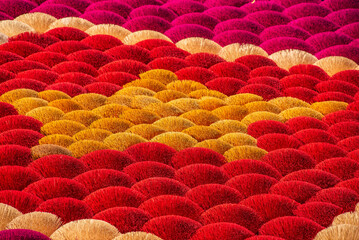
x=90, y=101
x=302, y=123
x=314, y=136
x=270, y=71
x=233, y=213
x=183, y=31
x=349, y=76
x=111, y=159
x=148, y=169
x=340, y=232
x=21, y=48
x=236, y=36
x=226, y=85
x=86, y=229
x=154, y=23
x=205, y=60
x=7, y=213
x=68, y=209
x=263, y=127
x=252, y=184
x=301, y=93
x=19, y=122
x=128, y=66
x=17, y=178
x=176, y=140
x=325, y=40
x=151, y=151
x=22, y=201
x=337, y=86
x=168, y=51
x=18, y=94
x=103, y=17
x=94, y=57
x=350, y=184
x=67, y=47
x=6, y=75
x=223, y=230
x=224, y=13
x=197, y=156
x=171, y=205
x=151, y=44
x=22, y=234
x=172, y=227
x=18, y=83
x=342, y=197
x=348, y=129
x=198, y=174
x=68, y=33
x=45, y=223
x=210, y=195
x=153, y=10
x=7, y=109
x=132, y=52
x=43, y=150
x=109, y=197
x=66, y=127
x=140, y=116
x=255, y=61
x=311, y=70
x=318, y=177
x=341, y=116
x=163, y=186
x=122, y=141
x=101, y=178
x=137, y=235
x=113, y=125
x=169, y=95
x=289, y=160
x=238, y=24
x=282, y=43
x=216, y=145
x=349, y=144
x=247, y=166
x=307, y=9
x=125, y=219
x=15, y=155
x=259, y=6
x=342, y=167
x=62, y=106
x=168, y=63
x=315, y=24
x=23, y=137
x=264, y=237
x=321, y=151
x=42, y=40
x=49, y=188
x=118, y=78
x=45, y=76
x=274, y=141
x=322, y=213
x=297, y=190
x=271, y=206
x=299, y=80
x=59, y=166
x=291, y=227
x=102, y=42
x=118, y=7
x=231, y=69
x=197, y=74
x=50, y=59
